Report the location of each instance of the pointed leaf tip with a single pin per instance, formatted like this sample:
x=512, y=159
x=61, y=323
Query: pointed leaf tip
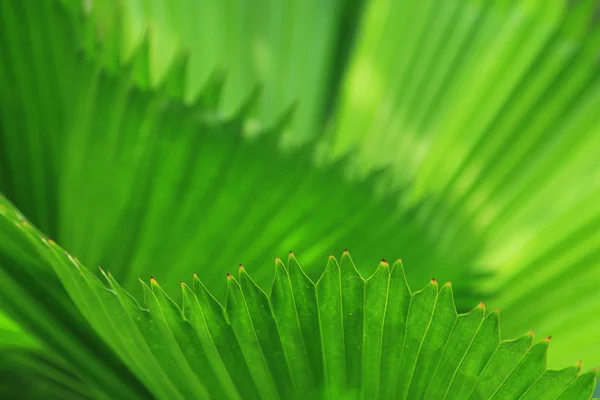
x=548, y=338
x=321, y=292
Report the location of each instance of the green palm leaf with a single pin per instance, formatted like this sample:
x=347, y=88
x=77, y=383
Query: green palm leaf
x=259, y=42
x=468, y=194
x=485, y=110
x=341, y=336
x=180, y=184
x=488, y=109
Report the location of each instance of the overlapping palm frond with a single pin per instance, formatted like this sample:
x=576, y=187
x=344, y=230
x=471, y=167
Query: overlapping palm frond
x=343, y=336
x=155, y=140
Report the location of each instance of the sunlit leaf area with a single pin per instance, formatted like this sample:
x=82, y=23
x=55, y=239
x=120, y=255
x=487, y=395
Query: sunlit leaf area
x=198, y=199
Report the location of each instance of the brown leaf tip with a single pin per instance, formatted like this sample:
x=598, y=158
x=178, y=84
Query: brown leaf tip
x=228, y=275
x=277, y=259
x=291, y=253
x=242, y=267
x=383, y=261
x=433, y=280
x=345, y=250
x=548, y=338
x=481, y=305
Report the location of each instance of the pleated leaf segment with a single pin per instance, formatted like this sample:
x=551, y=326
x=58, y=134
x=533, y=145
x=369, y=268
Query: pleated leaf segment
x=343, y=336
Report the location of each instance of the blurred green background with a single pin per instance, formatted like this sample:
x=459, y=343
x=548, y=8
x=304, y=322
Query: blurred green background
x=167, y=138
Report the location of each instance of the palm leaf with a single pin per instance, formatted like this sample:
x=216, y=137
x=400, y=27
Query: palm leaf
x=489, y=110
x=484, y=110
x=211, y=191
x=447, y=218
x=341, y=336
x=260, y=42
x=92, y=119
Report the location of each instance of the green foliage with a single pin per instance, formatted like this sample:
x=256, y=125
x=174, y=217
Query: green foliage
x=160, y=140
x=482, y=112
x=343, y=336
x=181, y=184
x=488, y=109
x=253, y=43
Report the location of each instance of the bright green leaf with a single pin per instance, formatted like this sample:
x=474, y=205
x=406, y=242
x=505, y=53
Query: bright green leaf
x=162, y=340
